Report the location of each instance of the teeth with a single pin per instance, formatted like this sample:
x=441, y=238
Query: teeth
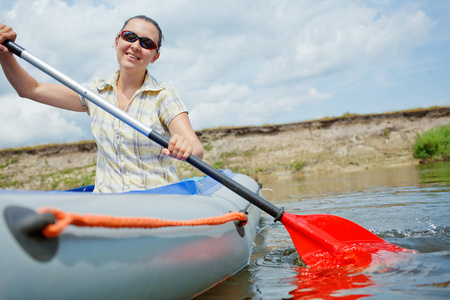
x=132, y=56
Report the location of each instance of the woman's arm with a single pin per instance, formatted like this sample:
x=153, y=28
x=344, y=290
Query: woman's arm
x=27, y=87
x=184, y=141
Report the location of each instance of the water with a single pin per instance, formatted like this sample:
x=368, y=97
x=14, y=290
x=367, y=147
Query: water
x=407, y=206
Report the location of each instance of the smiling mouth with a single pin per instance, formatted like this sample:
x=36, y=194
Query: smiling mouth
x=132, y=56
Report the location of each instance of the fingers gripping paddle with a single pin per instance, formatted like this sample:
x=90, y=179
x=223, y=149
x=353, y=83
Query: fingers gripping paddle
x=321, y=240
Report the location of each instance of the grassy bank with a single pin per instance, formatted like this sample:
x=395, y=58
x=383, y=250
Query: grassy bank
x=433, y=145
x=347, y=143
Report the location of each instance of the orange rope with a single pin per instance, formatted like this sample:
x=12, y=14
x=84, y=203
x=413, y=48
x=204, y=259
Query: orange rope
x=64, y=219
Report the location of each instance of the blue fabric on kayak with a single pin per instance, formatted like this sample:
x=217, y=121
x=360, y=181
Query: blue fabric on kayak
x=190, y=186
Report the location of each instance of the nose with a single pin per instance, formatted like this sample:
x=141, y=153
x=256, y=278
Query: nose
x=136, y=44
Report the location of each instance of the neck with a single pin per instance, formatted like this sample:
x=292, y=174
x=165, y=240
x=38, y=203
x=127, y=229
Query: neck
x=130, y=83
x=127, y=85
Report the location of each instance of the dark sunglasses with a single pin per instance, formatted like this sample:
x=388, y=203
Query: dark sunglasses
x=131, y=37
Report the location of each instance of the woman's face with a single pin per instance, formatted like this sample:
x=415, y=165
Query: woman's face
x=132, y=57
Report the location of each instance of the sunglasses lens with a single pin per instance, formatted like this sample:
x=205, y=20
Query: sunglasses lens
x=129, y=36
x=148, y=43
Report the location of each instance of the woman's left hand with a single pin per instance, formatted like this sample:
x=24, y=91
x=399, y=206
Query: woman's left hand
x=179, y=147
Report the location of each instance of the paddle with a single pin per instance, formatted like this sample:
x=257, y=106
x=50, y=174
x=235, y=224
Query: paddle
x=321, y=240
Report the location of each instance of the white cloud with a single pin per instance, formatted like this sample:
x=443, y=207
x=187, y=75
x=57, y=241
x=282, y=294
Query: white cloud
x=236, y=62
x=339, y=39
x=24, y=122
x=242, y=106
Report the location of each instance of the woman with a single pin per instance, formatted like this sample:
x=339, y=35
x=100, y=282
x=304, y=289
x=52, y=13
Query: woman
x=126, y=159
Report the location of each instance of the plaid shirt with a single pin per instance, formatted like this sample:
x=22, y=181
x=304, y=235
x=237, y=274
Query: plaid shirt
x=127, y=160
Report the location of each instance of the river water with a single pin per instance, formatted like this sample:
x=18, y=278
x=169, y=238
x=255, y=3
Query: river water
x=408, y=206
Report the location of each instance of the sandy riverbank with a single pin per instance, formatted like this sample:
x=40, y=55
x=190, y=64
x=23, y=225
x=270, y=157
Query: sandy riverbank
x=332, y=145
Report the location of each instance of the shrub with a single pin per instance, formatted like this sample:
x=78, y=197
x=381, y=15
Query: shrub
x=298, y=164
x=433, y=144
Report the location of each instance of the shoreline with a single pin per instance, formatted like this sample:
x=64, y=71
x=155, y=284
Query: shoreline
x=343, y=144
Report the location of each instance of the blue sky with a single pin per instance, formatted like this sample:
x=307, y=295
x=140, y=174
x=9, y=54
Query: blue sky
x=239, y=63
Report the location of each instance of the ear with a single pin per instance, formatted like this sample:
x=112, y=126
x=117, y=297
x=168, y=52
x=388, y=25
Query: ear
x=116, y=42
x=155, y=58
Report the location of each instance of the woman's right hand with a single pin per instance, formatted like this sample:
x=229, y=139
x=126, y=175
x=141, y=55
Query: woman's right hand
x=6, y=33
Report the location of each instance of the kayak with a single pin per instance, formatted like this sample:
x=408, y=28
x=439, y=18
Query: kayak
x=177, y=262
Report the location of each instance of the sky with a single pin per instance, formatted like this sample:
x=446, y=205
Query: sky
x=239, y=62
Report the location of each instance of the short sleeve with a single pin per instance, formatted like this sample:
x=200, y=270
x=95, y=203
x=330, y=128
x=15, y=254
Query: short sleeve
x=94, y=86
x=84, y=103
x=170, y=105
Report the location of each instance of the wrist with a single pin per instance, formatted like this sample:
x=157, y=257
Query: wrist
x=6, y=57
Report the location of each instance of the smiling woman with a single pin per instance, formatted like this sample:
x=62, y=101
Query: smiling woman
x=126, y=160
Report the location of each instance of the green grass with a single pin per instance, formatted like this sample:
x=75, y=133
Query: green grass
x=207, y=147
x=218, y=164
x=298, y=164
x=228, y=154
x=250, y=152
x=349, y=115
x=8, y=161
x=433, y=144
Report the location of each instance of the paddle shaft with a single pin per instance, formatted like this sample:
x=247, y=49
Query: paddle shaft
x=239, y=189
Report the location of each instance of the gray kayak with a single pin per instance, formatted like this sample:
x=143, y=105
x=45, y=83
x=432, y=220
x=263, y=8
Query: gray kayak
x=126, y=263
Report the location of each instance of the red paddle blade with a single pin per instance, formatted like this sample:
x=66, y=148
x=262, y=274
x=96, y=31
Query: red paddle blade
x=328, y=241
